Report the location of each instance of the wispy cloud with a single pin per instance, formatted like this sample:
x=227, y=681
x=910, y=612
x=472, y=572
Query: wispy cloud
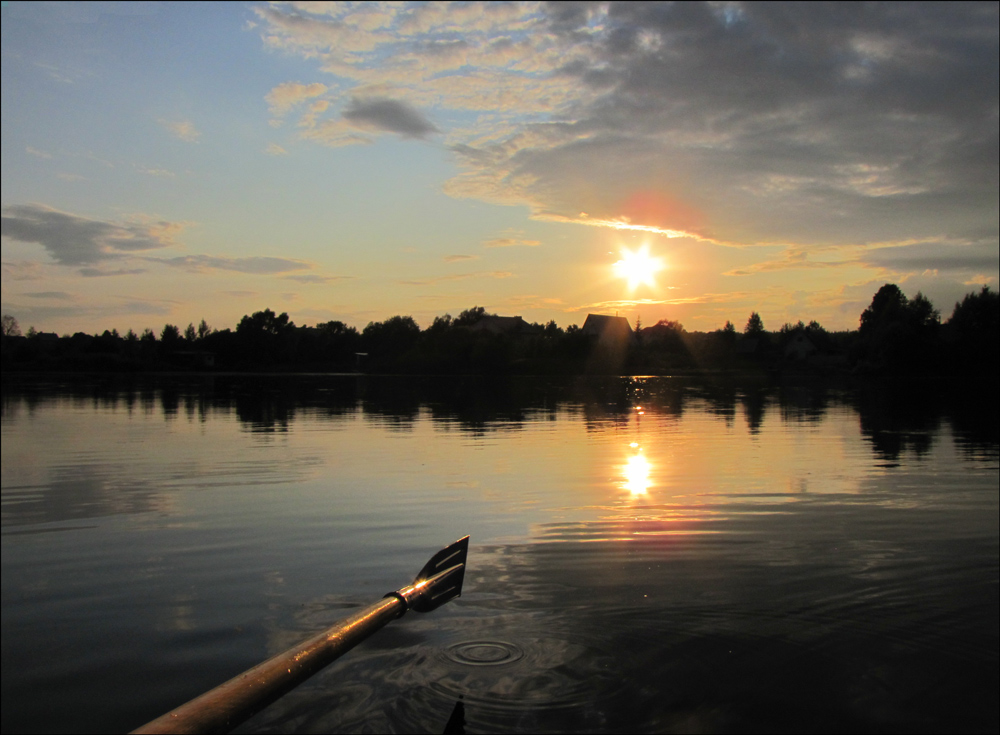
x=90, y=272
x=257, y=265
x=511, y=242
x=37, y=153
x=57, y=295
x=456, y=277
x=317, y=279
x=158, y=172
x=284, y=97
x=458, y=258
x=273, y=149
x=182, y=129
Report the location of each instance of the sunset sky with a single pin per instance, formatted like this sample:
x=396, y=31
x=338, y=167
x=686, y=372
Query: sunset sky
x=353, y=161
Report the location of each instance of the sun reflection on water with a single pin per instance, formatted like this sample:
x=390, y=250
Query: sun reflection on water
x=636, y=471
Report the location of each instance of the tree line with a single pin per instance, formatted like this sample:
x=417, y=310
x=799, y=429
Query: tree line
x=896, y=336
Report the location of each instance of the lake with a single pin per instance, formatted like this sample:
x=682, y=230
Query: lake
x=647, y=554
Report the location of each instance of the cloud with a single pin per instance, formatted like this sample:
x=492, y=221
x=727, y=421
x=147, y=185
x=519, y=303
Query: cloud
x=388, y=115
x=257, y=265
x=456, y=277
x=21, y=270
x=317, y=279
x=284, y=97
x=458, y=258
x=73, y=240
x=737, y=124
x=58, y=295
x=104, y=272
x=182, y=129
x=790, y=259
x=159, y=172
x=511, y=242
x=273, y=149
x=36, y=152
x=936, y=256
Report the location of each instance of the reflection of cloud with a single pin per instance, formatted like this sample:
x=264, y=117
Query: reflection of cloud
x=79, y=493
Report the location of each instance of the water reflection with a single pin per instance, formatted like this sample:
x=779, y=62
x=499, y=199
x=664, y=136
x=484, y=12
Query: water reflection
x=655, y=554
x=636, y=472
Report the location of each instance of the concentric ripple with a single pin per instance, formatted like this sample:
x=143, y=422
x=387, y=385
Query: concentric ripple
x=484, y=653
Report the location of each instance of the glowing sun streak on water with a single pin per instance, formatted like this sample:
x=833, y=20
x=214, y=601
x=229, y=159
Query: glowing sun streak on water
x=637, y=475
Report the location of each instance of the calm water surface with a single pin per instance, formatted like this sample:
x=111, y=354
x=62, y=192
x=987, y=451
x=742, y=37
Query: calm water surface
x=647, y=554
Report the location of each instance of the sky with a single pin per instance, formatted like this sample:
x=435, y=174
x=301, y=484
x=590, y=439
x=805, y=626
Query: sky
x=168, y=163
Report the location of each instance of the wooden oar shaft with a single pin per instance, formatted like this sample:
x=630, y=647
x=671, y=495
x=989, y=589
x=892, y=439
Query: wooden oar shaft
x=229, y=704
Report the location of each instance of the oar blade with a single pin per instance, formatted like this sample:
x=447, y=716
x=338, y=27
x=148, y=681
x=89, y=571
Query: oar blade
x=441, y=578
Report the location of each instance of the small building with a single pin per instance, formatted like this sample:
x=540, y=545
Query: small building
x=607, y=328
x=800, y=347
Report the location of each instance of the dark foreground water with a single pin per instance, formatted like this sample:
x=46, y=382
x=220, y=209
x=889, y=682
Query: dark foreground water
x=647, y=554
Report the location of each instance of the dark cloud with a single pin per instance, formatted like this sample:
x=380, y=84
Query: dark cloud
x=977, y=258
x=259, y=265
x=73, y=240
x=389, y=115
x=102, y=272
x=773, y=121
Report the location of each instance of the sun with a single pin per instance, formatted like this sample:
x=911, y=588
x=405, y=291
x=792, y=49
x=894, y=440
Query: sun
x=638, y=268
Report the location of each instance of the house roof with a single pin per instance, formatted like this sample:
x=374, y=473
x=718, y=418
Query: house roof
x=600, y=325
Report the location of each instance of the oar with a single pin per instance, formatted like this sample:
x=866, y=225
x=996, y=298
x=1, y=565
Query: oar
x=229, y=704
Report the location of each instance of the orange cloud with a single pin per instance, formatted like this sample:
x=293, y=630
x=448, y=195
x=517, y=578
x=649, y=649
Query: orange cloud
x=660, y=210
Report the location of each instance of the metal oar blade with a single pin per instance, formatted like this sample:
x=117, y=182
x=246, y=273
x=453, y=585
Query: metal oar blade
x=439, y=581
x=229, y=704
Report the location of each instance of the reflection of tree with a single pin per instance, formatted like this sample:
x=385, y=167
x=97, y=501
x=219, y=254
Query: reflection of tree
x=754, y=404
x=896, y=419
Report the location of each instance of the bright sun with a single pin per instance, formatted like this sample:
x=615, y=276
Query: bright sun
x=638, y=268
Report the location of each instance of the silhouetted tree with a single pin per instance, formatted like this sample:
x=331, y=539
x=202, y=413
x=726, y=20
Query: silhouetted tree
x=9, y=326
x=386, y=342
x=898, y=335
x=265, y=337
x=189, y=333
x=470, y=316
x=755, y=325
x=973, y=333
x=203, y=329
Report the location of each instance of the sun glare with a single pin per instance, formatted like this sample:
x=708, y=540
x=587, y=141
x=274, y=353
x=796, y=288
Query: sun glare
x=636, y=472
x=638, y=268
